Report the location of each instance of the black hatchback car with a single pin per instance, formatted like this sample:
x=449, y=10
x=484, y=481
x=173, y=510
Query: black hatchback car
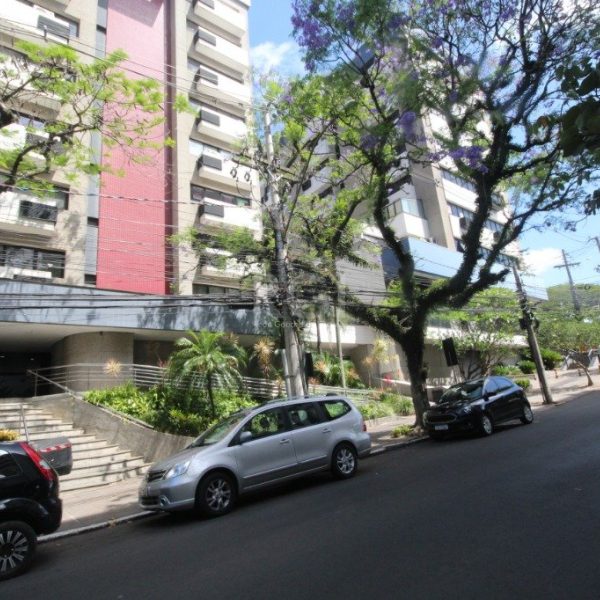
x=29, y=505
x=477, y=405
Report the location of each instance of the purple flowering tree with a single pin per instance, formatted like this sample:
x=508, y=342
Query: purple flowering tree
x=467, y=85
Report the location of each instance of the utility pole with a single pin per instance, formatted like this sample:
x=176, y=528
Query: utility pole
x=566, y=265
x=528, y=322
x=295, y=384
x=338, y=340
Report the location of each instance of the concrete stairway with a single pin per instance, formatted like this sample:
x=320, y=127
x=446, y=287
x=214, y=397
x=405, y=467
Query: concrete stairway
x=95, y=462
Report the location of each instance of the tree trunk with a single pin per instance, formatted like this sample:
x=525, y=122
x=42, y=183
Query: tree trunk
x=413, y=346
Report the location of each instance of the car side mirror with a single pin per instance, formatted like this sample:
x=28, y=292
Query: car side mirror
x=245, y=436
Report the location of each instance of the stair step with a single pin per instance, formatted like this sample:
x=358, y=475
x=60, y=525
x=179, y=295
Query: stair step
x=98, y=480
x=81, y=462
x=74, y=435
x=33, y=419
x=55, y=429
x=103, y=468
x=94, y=445
x=104, y=451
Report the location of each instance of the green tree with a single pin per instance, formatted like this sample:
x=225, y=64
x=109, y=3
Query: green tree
x=561, y=329
x=204, y=359
x=486, y=72
x=485, y=330
x=61, y=98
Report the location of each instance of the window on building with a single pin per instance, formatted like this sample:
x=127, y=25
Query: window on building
x=34, y=259
x=458, y=180
x=199, y=193
x=37, y=211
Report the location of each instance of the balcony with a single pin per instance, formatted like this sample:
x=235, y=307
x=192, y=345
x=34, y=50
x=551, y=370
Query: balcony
x=222, y=267
x=219, y=51
x=227, y=215
x=24, y=213
x=219, y=174
x=8, y=272
x=27, y=22
x=223, y=16
x=217, y=88
x=222, y=129
x=405, y=217
x=18, y=73
x=16, y=136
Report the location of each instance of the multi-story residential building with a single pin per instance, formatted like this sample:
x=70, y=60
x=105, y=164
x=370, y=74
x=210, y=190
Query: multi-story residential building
x=74, y=261
x=430, y=215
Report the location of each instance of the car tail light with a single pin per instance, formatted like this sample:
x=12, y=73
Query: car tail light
x=43, y=467
x=364, y=426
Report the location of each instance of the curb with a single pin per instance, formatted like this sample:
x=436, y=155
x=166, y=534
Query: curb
x=59, y=535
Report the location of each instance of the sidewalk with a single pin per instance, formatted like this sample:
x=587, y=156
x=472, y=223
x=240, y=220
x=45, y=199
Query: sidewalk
x=104, y=506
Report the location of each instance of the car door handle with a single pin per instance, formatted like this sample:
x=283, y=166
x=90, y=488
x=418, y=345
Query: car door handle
x=285, y=441
x=326, y=430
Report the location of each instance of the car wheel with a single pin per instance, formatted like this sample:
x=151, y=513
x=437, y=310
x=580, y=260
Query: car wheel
x=17, y=547
x=527, y=416
x=486, y=425
x=216, y=495
x=344, y=461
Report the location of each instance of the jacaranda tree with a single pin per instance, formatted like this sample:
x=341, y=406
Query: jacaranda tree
x=485, y=72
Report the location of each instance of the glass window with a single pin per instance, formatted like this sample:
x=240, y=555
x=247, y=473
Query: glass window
x=304, y=415
x=37, y=211
x=266, y=423
x=491, y=387
x=334, y=409
x=8, y=466
x=503, y=383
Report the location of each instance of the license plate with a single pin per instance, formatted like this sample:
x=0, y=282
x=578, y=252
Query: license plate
x=441, y=427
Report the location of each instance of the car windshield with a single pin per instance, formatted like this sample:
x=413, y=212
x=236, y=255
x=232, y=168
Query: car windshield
x=470, y=390
x=219, y=430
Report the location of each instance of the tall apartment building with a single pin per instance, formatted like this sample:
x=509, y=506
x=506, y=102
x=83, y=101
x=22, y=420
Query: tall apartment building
x=430, y=215
x=64, y=255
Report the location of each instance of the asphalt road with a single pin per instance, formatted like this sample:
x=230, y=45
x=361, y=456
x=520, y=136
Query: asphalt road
x=513, y=516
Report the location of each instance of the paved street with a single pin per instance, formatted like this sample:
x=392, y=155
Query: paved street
x=516, y=515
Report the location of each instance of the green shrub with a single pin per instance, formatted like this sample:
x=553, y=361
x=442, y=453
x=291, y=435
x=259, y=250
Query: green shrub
x=550, y=358
x=402, y=431
x=506, y=371
x=401, y=405
x=166, y=408
x=527, y=366
x=524, y=383
x=125, y=398
x=375, y=410
x=8, y=435
x=186, y=423
x=228, y=402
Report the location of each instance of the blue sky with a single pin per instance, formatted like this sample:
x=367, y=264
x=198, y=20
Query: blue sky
x=273, y=48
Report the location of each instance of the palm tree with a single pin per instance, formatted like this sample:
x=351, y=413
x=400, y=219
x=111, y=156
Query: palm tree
x=264, y=349
x=206, y=358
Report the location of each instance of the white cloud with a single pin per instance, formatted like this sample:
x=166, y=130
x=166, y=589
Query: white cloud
x=279, y=59
x=538, y=262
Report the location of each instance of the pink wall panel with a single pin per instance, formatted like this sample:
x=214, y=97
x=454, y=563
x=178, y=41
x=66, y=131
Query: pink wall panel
x=132, y=228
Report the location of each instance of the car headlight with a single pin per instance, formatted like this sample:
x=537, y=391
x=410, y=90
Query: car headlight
x=177, y=470
x=465, y=410
x=424, y=418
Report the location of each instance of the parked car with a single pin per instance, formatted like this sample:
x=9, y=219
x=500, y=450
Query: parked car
x=477, y=405
x=29, y=505
x=254, y=448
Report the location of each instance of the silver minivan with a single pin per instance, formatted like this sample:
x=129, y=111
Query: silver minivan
x=258, y=447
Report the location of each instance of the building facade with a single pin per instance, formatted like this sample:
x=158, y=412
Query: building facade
x=105, y=241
